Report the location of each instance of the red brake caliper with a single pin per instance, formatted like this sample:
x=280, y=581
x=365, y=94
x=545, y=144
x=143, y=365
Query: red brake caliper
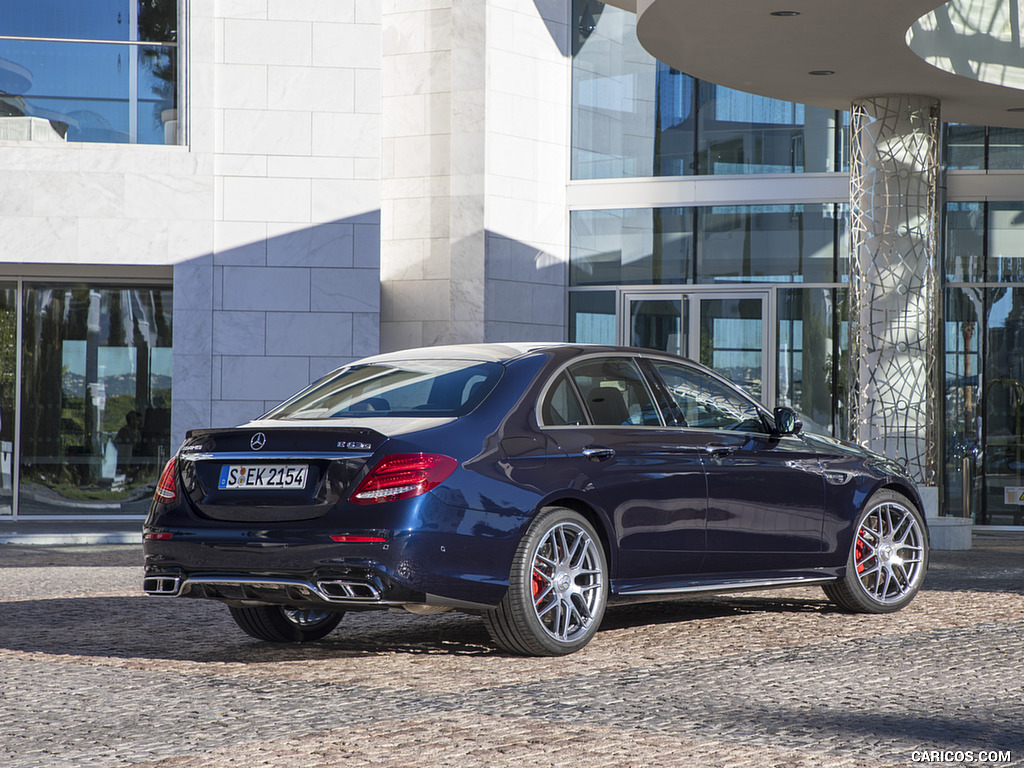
x=538, y=584
x=860, y=554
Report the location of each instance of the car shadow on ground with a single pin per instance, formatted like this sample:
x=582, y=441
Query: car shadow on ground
x=202, y=631
x=140, y=627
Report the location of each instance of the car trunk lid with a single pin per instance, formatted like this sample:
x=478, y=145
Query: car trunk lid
x=273, y=474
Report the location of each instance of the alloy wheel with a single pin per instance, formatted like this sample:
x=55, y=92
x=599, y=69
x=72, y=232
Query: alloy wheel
x=566, y=582
x=889, y=552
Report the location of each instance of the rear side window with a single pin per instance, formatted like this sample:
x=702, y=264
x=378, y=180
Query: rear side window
x=706, y=403
x=400, y=388
x=562, y=406
x=614, y=392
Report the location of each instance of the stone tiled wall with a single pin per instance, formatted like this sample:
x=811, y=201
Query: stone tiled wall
x=286, y=100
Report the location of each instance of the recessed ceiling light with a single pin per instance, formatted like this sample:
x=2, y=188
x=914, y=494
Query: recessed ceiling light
x=785, y=13
x=821, y=72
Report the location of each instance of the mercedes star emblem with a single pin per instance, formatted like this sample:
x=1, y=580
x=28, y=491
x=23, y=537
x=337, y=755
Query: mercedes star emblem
x=258, y=441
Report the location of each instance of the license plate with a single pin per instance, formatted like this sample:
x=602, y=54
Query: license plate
x=237, y=477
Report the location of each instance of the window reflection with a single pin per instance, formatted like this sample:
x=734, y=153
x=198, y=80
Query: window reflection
x=776, y=243
x=83, y=78
x=91, y=19
x=768, y=243
x=632, y=246
x=8, y=385
x=1006, y=242
x=984, y=371
x=742, y=133
x=592, y=317
x=965, y=242
x=811, y=375
x=704, y=403
x=985, y=242
x=1003, y=407
x=96, y=398
x=979, y=147
x=635, y=117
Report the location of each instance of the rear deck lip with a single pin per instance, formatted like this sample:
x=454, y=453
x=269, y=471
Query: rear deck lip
x=250, y=456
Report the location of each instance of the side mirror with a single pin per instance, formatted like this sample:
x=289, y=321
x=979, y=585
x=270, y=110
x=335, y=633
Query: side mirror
x=787, y=422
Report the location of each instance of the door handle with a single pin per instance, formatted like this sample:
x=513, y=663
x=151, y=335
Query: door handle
x=598, y=452
x=719, y=449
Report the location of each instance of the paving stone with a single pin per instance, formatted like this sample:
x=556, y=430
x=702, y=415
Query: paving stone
x=94, y=673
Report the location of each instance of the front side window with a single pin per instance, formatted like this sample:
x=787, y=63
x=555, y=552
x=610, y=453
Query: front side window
x=614, y=392
x=89, y=71
x=703, y=402
x=406, y=388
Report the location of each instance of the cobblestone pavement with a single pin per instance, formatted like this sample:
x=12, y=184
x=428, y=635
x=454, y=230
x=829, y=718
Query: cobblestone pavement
x=94, y=673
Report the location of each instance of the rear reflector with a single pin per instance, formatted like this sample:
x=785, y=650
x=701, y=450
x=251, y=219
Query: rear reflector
x=157, y=536
x=403, y=476
x=166, y=488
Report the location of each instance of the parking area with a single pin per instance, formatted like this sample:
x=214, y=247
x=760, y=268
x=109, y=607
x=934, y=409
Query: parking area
x=94, y=673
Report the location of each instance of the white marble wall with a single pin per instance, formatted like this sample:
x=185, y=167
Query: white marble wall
x=286, y=101
x=67, y=204
x=475, y=135
x=268, y=218
x=527, y=118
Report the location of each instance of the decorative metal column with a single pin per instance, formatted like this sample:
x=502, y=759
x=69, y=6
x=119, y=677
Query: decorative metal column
x=894, y=309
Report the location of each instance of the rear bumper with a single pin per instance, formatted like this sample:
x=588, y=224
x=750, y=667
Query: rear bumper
x=425, y=552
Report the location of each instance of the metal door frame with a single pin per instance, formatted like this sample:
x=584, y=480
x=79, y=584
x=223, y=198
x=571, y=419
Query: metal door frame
x=693, y=295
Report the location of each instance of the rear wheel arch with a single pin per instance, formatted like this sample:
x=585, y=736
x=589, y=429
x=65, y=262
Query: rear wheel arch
x=593, y=517
x=558, y=587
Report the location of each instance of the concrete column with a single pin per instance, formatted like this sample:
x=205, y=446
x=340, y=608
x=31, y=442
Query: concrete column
x=894, y=301
x=432, y=229
x=474, y=167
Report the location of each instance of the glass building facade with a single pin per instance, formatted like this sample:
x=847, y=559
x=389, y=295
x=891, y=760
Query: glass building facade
x=759, y=291
x=635, y=117
x=90, y=71
x=88, y=429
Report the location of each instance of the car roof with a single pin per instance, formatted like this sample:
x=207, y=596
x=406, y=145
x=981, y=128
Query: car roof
x=481, y=352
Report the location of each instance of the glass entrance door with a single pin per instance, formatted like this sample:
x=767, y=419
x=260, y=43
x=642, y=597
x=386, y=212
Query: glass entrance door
x=728, y=332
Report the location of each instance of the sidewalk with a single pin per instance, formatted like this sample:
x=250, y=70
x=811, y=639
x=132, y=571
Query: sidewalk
x=71, y=532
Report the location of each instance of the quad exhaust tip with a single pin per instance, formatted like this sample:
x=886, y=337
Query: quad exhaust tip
x=329, y=590
x=161, y=585
x=338, y=589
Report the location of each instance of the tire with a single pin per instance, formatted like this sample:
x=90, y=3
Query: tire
x=557, y=591
x=285, y=624
x=888, y=557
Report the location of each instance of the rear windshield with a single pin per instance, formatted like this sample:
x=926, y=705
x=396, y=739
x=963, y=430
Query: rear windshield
x=403, y=388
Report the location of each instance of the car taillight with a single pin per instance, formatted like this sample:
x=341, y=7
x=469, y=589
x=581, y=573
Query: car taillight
x=166, y=488
x=402, y=476
x=347, y=539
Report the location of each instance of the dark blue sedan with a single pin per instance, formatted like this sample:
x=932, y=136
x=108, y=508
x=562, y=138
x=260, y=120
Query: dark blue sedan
x=532, y=484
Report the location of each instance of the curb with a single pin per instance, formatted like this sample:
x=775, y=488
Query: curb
x=65, y=539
